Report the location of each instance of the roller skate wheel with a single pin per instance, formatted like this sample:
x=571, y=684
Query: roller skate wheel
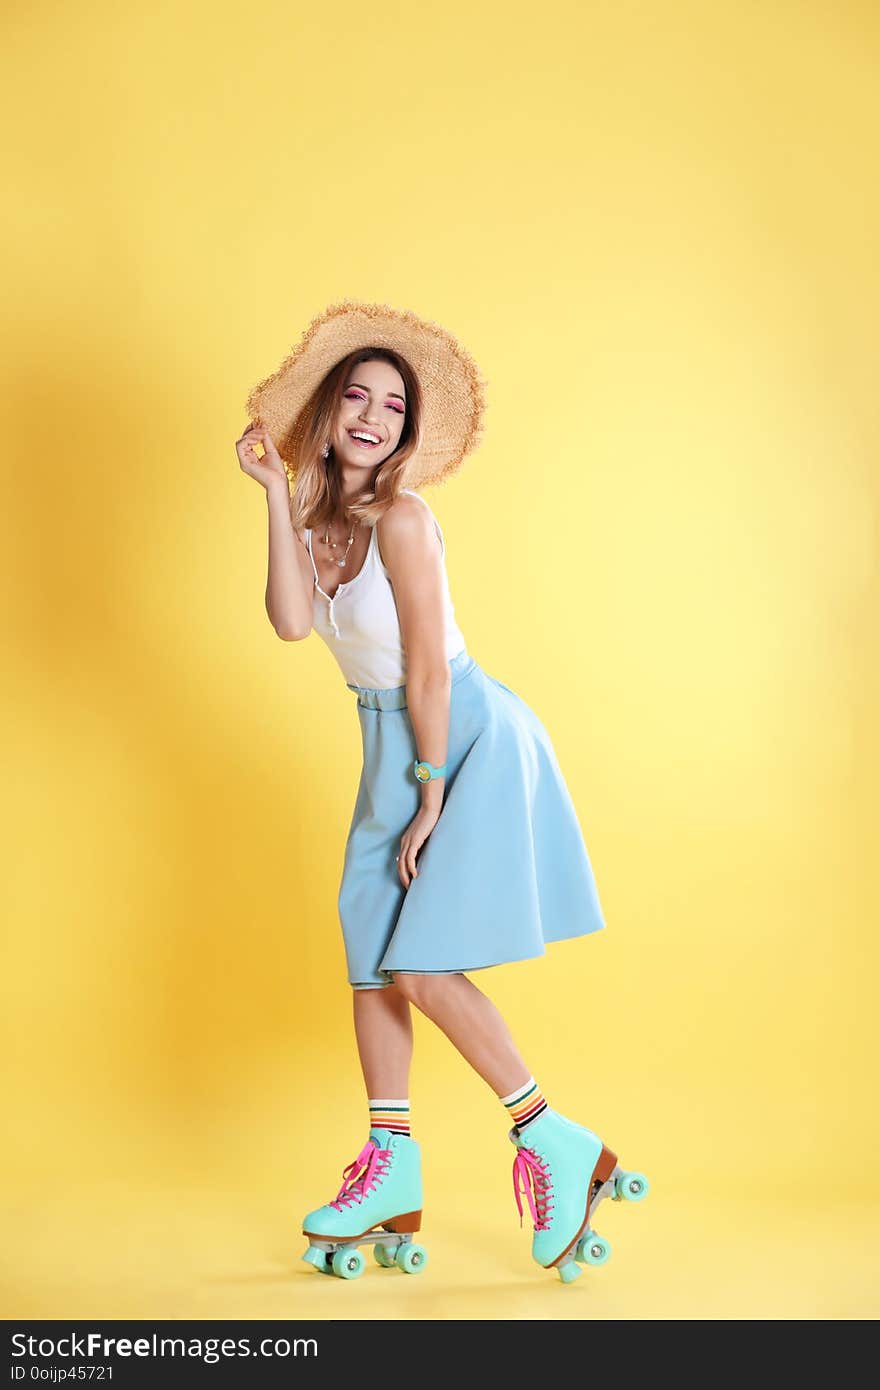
x=383, y=1256
x=631, y=1187
x=593, y=1249
x=348, y=1264
x=412, y=1258
x=569, y=1272
x=318, y=1258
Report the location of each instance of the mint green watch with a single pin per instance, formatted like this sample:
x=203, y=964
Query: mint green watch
x=424, y=772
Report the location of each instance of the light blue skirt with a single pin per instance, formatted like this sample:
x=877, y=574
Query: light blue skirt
x=505, y=869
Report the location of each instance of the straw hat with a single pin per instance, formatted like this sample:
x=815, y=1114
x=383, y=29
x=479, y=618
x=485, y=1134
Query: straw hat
x=453, y=390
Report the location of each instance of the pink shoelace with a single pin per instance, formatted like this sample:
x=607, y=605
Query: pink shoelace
x=534, y=1174
x=361, y=1176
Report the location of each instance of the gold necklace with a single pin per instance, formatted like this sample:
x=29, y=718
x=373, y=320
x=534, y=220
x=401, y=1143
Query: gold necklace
x=334, y=545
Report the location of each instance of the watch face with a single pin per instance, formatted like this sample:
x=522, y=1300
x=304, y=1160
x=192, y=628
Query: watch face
x=423, y=772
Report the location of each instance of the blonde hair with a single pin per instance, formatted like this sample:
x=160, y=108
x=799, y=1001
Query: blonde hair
x=315, y=497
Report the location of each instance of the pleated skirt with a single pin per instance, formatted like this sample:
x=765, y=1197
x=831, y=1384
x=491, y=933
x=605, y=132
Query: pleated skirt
x=505, y=870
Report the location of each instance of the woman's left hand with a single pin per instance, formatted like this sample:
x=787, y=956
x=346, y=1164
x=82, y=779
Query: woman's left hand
x=411, y=842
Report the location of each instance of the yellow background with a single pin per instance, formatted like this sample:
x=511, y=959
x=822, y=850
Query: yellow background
x=655, y=227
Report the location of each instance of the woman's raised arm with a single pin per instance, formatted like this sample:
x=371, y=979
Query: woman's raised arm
x=290, y=578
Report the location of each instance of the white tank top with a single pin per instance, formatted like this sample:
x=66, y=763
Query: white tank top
x=360, y=623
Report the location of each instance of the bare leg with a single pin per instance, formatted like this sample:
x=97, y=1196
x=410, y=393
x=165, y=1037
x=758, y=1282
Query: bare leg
x=472, y=1023
x=384, y=1031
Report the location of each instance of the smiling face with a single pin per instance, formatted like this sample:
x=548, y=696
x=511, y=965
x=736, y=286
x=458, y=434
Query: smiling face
x=373, y=404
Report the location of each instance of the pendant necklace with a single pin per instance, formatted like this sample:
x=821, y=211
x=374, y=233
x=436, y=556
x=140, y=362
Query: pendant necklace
x=335, y=544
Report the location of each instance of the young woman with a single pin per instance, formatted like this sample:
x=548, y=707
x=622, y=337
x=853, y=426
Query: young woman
x=464, y=849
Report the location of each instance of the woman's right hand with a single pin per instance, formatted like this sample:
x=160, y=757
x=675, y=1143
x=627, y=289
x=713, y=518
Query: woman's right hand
x=268, y=469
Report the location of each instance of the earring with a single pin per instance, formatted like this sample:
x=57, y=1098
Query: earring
x=325, y=451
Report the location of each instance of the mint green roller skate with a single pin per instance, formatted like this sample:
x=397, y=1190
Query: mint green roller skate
x=379, y=1203
x=569, y=1171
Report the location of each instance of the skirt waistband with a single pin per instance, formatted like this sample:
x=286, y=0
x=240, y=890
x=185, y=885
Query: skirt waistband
x=394, y=697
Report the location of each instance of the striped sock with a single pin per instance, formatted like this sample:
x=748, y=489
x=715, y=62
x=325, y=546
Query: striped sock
x=390, y=1114
x=524, y=1104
